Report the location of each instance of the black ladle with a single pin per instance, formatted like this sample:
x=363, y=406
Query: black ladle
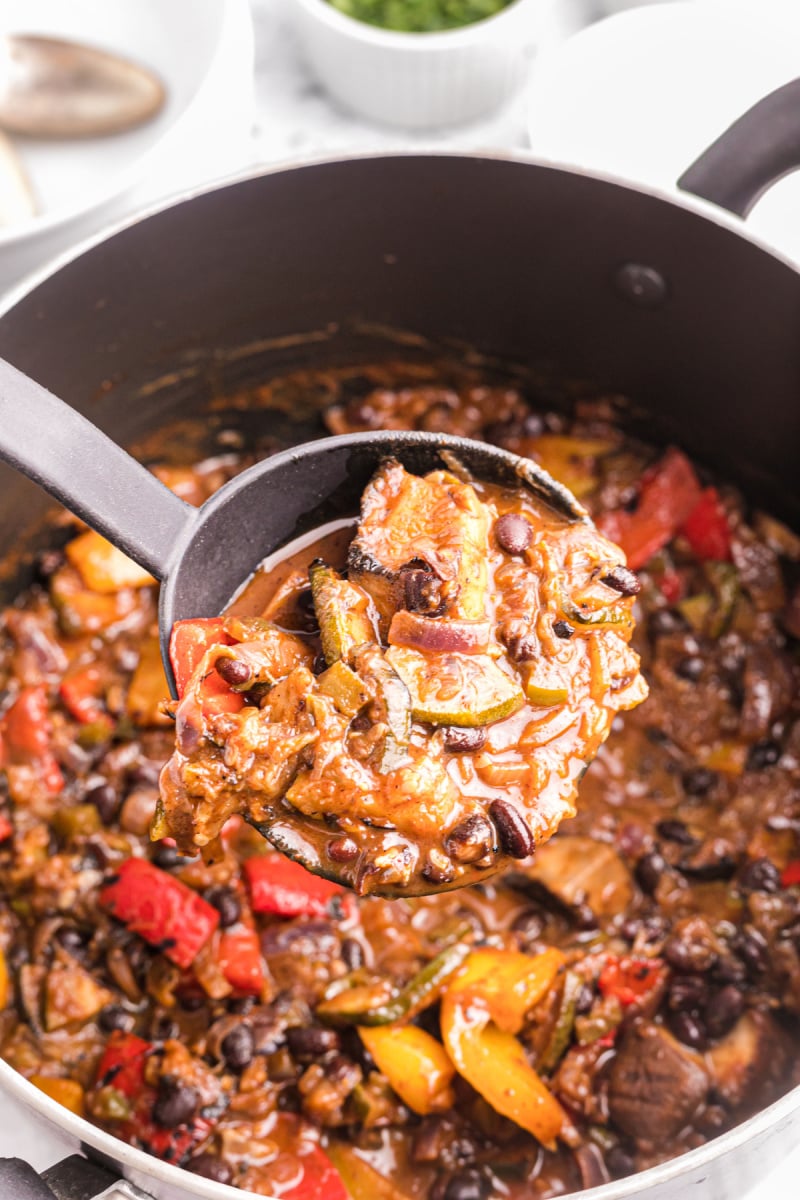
x=202, y=555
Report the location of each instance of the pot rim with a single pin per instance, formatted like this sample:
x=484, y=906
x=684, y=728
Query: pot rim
x=138, y=1161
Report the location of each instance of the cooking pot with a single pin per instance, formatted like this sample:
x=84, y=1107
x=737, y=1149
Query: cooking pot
x=666, y=299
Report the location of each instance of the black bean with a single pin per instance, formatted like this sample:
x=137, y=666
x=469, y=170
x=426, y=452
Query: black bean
x=165, y=856
x=723, y=1010
x=690, y=667
x=675, y=831
x=114, y=1017
x=584, y=1000
x=522, y=647
x=422, y=591
x=48, y=562
x=235, y=672
x=729, y=970
x=106, y=801
x=513, y=532
x=71, y=939
x=529, y=924
x=622, y=580
x=145, y=774
x=311, y=1042
x=459, y=739
x=619, y=1162
x=342, y=849
x=583, y=917
x=763, y=754
x=467, y=1184
x=163, y=1028
x=352, y=954
x=751, y=946
x=760, y=875
x=238, y=1047
x=227, y=904
x=208, y=1166
x=471, y=839
x=689, y=956
x=563, y=629
x=512, y=829
x=649, y=870
x=687, y=993
x=176, y=1103
x=689, y=1029
x=665, y=621
x=698, y=780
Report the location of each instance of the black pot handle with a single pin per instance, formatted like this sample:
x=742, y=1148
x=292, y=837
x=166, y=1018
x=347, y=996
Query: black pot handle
x=74, y=1178
x=755, y=152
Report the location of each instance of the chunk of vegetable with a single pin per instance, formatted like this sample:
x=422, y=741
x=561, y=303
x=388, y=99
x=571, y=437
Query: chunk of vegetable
x=577, y=867
x=148, y=687
x=27, y=735
x=669, y=493
x=161, y=909
x=239, y=957
x=320, y=1179
x=278, y=885
x=5, y=990
x=494, y=1062
x=415, y=1064
x=508, y=983
x=391, y=706
x=83, y=690
x=189, y=643
x=343, y=612
x=439, y=635
x=362, y=1181
x=102, y=566
x=456, y=689
x=344, y=687
x=66, y=1091
x=630, y=980
x=418, y=994
x=707, y=528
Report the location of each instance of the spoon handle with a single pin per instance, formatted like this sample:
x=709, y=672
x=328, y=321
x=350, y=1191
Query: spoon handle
x=51, y=443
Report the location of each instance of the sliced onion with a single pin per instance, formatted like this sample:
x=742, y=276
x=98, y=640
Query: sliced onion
x=439, y=636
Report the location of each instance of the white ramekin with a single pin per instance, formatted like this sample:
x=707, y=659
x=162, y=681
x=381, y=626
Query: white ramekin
x=421, y=80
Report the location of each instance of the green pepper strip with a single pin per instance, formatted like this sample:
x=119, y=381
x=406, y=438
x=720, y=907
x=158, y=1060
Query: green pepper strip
x=418, y=993
x=609, y=615
x=559, y=1039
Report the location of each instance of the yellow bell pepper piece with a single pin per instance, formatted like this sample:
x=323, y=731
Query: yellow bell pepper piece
x=487, y=1000
x=4, y=981
x=508, y=983
x=103, y=567
x=362, y=1181
x=415, y=1064
x=66, y=1091
x=570, y=460
x=148, y=687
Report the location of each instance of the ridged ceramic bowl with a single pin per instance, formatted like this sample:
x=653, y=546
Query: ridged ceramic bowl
x=421, y=80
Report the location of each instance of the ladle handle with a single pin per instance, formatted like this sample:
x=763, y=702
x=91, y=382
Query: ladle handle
x=76, y=463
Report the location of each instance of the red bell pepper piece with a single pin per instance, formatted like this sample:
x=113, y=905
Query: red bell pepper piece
x=239, y=957
x=668, y=494
x=278, y=885
x=6, y=828
x=161, y=909
x=630, y=979
x=122, y=1067
x=28, y=736
x=321, y=1180
x=82, y=693
x=707, y=529
x=670, y=585
x=790, y=875
x=189, y=642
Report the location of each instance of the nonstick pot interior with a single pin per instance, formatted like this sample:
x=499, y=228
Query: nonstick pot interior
x=542, y=267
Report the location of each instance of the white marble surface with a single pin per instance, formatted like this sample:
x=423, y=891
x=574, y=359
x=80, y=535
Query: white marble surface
x=289, y=118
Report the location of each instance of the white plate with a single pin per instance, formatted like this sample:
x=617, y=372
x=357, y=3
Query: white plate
x=643, y=93
x=178, y=39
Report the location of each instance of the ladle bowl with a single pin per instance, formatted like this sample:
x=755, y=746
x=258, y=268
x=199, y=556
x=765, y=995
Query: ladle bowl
x=202, y=556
